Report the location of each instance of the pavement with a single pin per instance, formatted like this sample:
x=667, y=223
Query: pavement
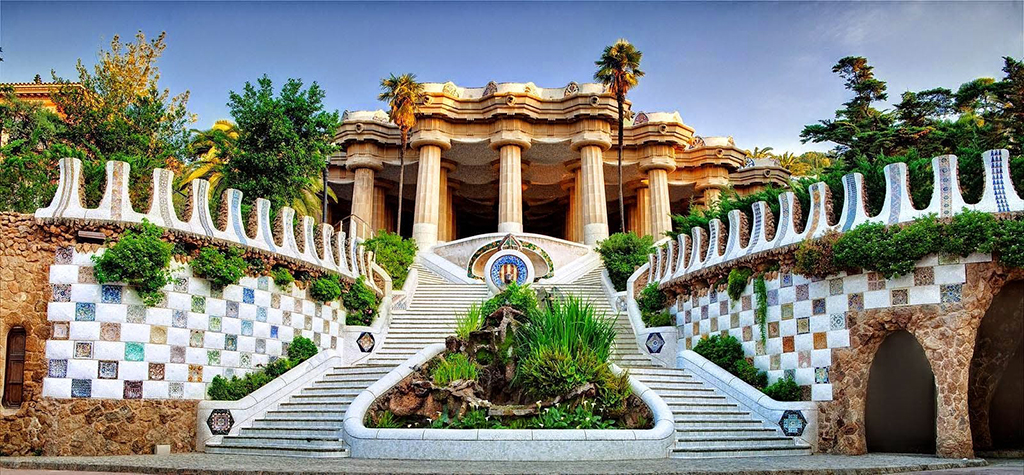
x=209, y=464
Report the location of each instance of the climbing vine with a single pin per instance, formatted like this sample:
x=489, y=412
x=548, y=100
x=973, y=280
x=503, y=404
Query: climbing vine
x=761, y=310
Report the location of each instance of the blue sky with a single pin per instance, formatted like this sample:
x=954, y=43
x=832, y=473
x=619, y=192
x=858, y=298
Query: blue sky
x=756, y=71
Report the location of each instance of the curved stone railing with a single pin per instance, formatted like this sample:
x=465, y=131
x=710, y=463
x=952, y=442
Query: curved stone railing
x=703, y=249
x=317, y=246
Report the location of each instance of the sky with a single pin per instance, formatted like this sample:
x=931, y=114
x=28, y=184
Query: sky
x=758, y=71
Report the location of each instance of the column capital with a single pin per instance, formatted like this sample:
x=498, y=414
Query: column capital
x=364, y=161
x=595, y=138
x=448, y=165
x=437, y=138
x=518, y=138
x=657, y=156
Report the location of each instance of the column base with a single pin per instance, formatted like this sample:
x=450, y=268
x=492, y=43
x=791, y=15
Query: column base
x=510, y=227
x=594, y=232
x=425, y=235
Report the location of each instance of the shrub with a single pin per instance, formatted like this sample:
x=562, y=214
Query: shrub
x=723, y=351
x=325, y=289
x=386, y=420
x=658, y=319
x=652, y=307
x=220, y=268
x=862, y=246
x=139, y=259
x=738, y=282
x=746, y=371
x=970, y=231
x=889, y=251
x=453, y=367
x=761, y=307
x=468, y=322
x=814, y=257
x=551, y=372
x=614, y=391
x=1009, y=241
x=394, y=253
x=785, y=389
x=282, y=276
x=623, y=254
x=519, y=297
x=301, y=349
x=361, y=302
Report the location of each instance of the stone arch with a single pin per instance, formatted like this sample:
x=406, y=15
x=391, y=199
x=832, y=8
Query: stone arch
x=900, y=409
x=996, y=384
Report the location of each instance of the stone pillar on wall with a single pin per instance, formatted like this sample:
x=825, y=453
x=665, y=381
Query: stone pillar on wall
x=430, y=142
x=380, y=220
x=643, y=209
x=658, y=161
x=572, y=205
x=450, y=230
x=576, y=189
x=445, y=220
x=363, y=199
x=511, y=137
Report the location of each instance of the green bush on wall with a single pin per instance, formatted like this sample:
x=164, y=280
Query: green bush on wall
x=623, y=254
x=361, y=302
x=325, y=289
x=221, y=268
x=785, y=389
x=139, y=259
x=519, y=297
x=224, y=389
x=393, y=253
x=282, y=276
x=652, y=304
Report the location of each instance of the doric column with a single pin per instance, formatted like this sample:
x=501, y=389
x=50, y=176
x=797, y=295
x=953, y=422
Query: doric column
x=430, y=140
x=379, y=209
x=362, y=199
x=571, y=214
x=592, y=139
x=444, y=223
x=643, y=209
x=658, y=161
x=450, y=225
x=510, y=138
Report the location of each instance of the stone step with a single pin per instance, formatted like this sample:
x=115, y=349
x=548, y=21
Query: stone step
x=295, y=432
x=722, y=426
x=732, y=451
x=324, y=385
x=326, y=392
x=748, y=441
x=689, y=398
x=303, y=412
x=671, y=379
x=703, y=407
x=687, y=416
x=300, y=442
x=299, y=423
x=234, y=447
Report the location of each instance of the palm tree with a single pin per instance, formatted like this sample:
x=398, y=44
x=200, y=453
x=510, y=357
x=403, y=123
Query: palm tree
x=759, y=152
x=403, y=94
x=619, y=70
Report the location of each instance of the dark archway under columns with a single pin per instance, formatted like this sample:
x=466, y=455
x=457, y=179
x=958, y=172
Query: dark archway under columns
x=900, y=410
x=996, y=385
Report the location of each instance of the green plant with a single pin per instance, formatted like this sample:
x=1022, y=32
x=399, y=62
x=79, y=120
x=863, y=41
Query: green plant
x=658, y=319
x=519, y=297
x=301, y=349
x=761, y=307
x=746, y=371
x=1009, y=241
x=613, y=391
x=386, y=420
x=652, y=307
x=582, y=417
x=325, y=289
x=361, y=302
x=551, y=372
x=814, y=257
x=468, y=322
x=723, y=351
x=139, y=259
x=394, y=253
x=282, y=276
x=221, y=268
x=453, y=367
x=623, y=254
x=967, y=232
x=738, y=277
x=784, y=389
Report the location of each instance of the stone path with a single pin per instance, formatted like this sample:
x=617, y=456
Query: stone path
x=208, y=464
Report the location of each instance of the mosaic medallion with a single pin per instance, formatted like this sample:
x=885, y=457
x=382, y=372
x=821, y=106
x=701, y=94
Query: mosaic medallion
x=248, y=295
x=792, y=423
x=85, y=312
x=231, y=342
x=951, y=293
x=81, y=388
x=64, y=255
x=655, y=343
x=177, y=354
x=61, y=331
x=365, y=342
x=156, y=371
x=198, y=304
x=83, y=349
x=509, y=268
x=110, y=331
x=220, y=422
x=261, y=314
x=136, y=314
x=176, y=390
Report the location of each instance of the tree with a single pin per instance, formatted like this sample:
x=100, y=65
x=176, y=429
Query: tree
x=209, y=151
x=284, y=141
x=403, y=95
x=118, y=112
x=759, y=152
x=28, y=153
x=619, y=70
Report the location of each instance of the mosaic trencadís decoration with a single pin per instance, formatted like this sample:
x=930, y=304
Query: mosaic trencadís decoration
x=792, y=423
x=365, y=342
x=509, y=268
x=655, y=342
x=220, y=422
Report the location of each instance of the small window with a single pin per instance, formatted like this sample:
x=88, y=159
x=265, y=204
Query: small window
x=14, y=374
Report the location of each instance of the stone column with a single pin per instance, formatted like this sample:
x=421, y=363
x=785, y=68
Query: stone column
x=631, y=218
x=450, y=224
x=643, y=209
x=510, y=192
x=362, y=200
x=380, y=221
x=428, y=183
x=658, y=161
x=444, y=207
x=571, y=214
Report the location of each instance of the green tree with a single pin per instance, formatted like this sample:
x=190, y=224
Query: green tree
x=619, y=70
x=284, y=141
x=403, y=95
x=28, y=153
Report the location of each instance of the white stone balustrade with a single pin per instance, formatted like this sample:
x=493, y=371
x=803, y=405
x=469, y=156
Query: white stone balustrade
x=676, y=259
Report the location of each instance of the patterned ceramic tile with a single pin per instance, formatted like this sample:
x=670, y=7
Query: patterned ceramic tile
x=245, y=360
x=821, y=375
x=773, y=329
x=789, y=374
x=820, y=340
x=714, y=324
x=198, y=304
x=213, y=357
x=802, y=292
x=179, y=319
x=81, y=388
x=320, y=310
x=110, y=331
x=263, y=283
x=231, y=342
x=837, y=321
x=217, y=292
x=247, y=327
x=58, y=369
x=759, y=349
x=110, y=293
x=898, y=297
x=951, y=293
x=86, y=275
x=83, y=349
x=948, y=259
x=275, y=300
x=85, y=312
x=215, y=324
x=195, y=338
x=177, y=354
x=704, y=312
x=286, y=319
x=158, y=335
x=64, y=255
x=835, y=286
x=60, y=293
x=924, y=276
x=156, y=371
x=786, y=280
x=261, y=314
x=248, y=295
x=195, y=373
x=748, y=334
x=723, y=307
x=181, y=284
x=803, y=359
x=136, y=314
x=334, y=342
x=788, y=345
x=803, y=325
x=773, y=297
x=855, y=302
x=61, y=331
x=107, y=370
x=134, y=351
x=875, y=281
x=327, y=327
x=734, y=320
x=285, y=345
x=273, y=331
x=133, y=389
x=309, y=322
x=818, y=306
x=786, y=310
x=232, y=309
x=775, y=362
x=713, y=296
x=176, y=390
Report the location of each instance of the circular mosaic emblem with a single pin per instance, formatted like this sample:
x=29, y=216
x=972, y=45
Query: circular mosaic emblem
x=507, y=267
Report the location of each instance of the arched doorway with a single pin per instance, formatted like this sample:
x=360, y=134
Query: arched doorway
x=996, y=384
x=900, y=412
x=14, y=369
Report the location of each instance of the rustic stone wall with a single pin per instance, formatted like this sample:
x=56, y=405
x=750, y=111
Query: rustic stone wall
x=67, y=427
x=946, y=331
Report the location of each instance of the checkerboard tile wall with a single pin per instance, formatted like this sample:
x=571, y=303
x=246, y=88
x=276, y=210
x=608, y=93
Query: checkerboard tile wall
x=807, y=318
x=106, y=344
